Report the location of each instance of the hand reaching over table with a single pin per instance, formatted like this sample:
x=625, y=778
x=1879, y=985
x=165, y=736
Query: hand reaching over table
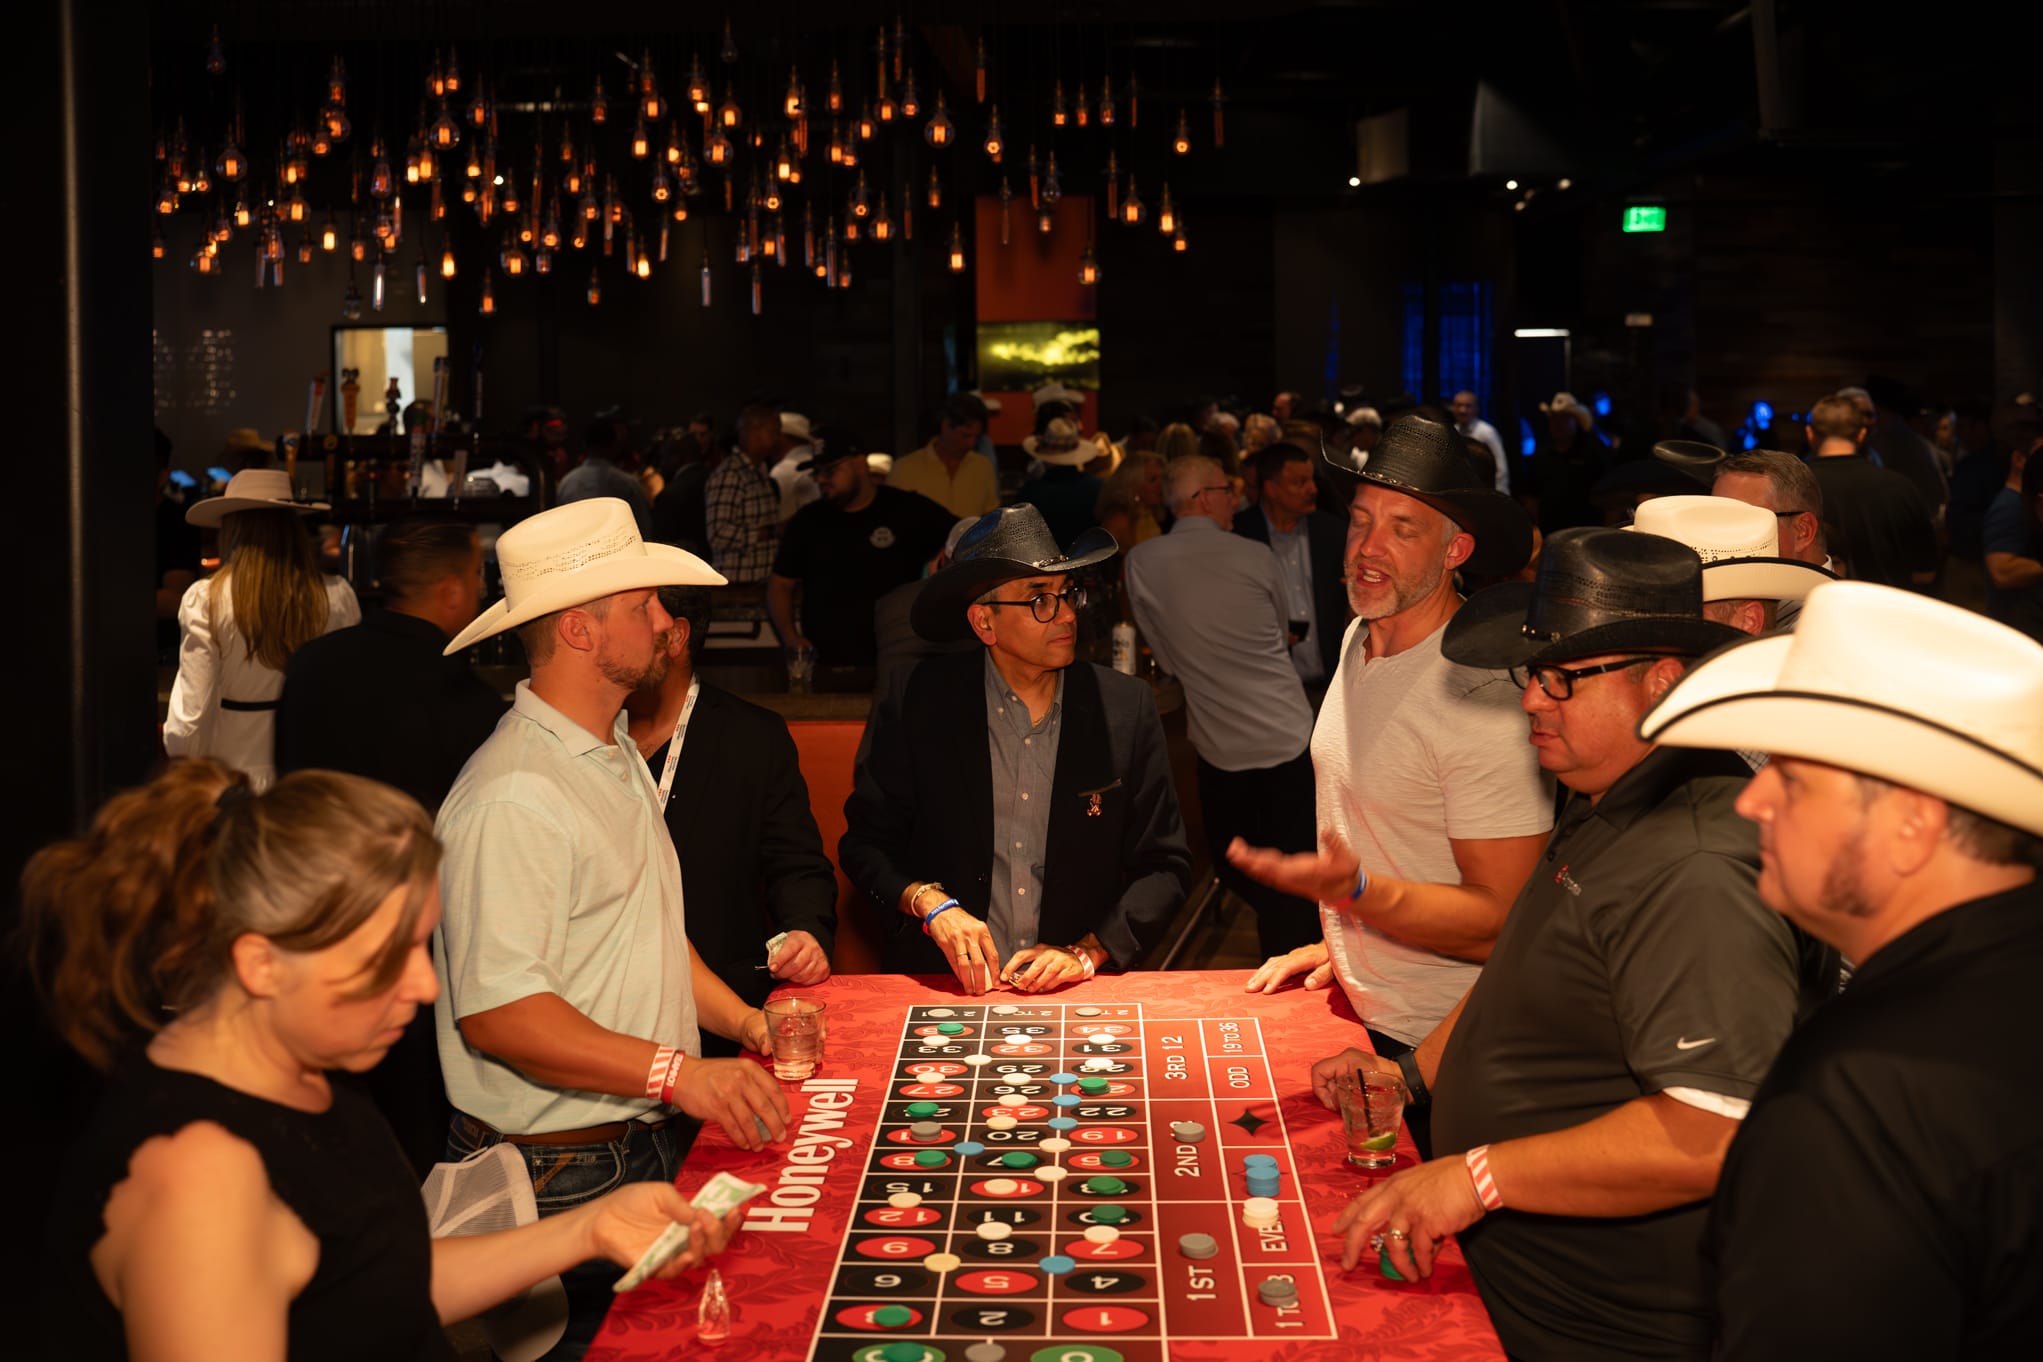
x=1039, y=969
x=622, y=1225
x=1311, y=961
x=738, y=1095
x=1344, y=1065
x=1326, y=876
x=1404, y=1218
x=967, y=945
x=799, y=960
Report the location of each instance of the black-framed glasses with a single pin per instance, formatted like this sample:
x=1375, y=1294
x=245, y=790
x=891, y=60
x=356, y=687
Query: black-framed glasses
x=1044, y=606
x=1790, y=515
x=1559, y=682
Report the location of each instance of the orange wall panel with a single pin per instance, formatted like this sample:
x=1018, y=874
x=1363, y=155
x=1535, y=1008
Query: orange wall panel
x=1034, y=278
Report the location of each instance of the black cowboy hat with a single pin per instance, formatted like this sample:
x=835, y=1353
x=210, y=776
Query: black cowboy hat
x=1427, y=461
x=1599, y=591
x=1008, y=543
x=1693, y=457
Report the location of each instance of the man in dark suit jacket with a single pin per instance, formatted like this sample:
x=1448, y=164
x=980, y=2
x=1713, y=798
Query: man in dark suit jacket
x=379, y=700
x=1308, y=543
x=1061, y=826
x=752, y=862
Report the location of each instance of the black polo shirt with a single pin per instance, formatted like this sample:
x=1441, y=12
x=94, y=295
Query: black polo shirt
x=1885, y=1197
x=1637, y=958
x=847, y=560
x=1877, y=522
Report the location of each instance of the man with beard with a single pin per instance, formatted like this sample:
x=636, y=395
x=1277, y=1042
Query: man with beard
x=1431, y=806
x=1884, y=1196
x=846, y=551
x=570, y=998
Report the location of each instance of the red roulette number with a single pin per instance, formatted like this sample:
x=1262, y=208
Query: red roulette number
x=1120, y=1250
x=901, y=1217
x=948, y=1037
x=1024, y=1048
x=929, y=1071
x=1103, y=1135
x=1106, y=1319
x=897, y=1246
x=1022, y=1187
x=925, y=1090
x=861, y=1317
x=996, y=1282
x=1028, y=1113
x=1093, y=1161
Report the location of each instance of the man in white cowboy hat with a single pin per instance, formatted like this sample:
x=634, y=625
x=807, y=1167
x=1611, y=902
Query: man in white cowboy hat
x=569, y=995
x=1745, y=578
x=797, y=487
x=1882, y=1196
x=1066, y=495
x=1428, y=797
x=944, y=470
x=1086, y=859
x=1585, y=1090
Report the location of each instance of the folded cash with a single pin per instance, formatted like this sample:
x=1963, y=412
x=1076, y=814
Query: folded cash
x=719, y=1196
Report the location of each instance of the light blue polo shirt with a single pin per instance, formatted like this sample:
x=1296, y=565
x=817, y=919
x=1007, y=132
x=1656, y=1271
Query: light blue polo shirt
x=558, y=877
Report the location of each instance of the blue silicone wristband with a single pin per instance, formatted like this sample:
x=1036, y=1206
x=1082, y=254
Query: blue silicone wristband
x=943, y=907
x=1361, y=884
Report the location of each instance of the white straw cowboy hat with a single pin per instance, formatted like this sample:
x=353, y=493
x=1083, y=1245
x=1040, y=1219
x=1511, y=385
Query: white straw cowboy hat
x=1739, y=546
x=1958, y=714
x=573, y=554
x=1061, y=444
x=252, y=489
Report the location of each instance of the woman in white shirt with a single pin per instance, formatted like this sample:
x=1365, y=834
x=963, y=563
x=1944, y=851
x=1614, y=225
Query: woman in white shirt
x=240, y=626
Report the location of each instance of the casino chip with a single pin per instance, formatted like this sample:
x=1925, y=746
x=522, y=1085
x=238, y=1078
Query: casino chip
x=1101, y=1234
x=1055, y=1144
x=1105, y=1186
x=1110, y=1215
x=901, y=1352
x=1003, y=1186
x=1005, y=1009
x=1092, y=1011
x=1001, y=1123
x=931, y=1158
x=1053, y=1174
x=1278, y=1291
x=1093, y=1086
x=925, y=1130
x=1057, y=1264
x=901, y=1201
x=985, y=1352
x=922, y=1110
x=1198, y=1246
x=1019, y=1158
x=1188, y=1132
x=991, y=1230
x=1116, y=1158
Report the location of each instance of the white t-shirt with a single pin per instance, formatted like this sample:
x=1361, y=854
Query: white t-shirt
x=1411, y=751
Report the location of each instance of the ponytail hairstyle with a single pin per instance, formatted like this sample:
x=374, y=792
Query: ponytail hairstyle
x=136, y=920
x=271, y=572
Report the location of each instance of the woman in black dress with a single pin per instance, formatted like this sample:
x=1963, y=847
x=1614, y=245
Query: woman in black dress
x=232, y=959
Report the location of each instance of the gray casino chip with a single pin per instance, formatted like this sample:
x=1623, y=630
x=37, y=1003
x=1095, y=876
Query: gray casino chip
x=1198, y=1246
x=1187, y=1132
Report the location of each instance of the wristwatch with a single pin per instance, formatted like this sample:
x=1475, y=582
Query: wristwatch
x=1417, y=1094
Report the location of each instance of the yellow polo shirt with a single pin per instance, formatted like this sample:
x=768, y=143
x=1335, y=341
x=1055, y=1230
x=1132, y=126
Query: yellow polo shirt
x=972, y=491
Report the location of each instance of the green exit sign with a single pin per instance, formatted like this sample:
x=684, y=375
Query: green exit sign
x=1645, y=217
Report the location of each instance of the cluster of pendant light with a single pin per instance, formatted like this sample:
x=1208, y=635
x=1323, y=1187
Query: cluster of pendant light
x=561, y=200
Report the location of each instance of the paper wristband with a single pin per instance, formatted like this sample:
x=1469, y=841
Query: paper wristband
x=656, y=1076
x=673, y=1077
x=1478, y=1160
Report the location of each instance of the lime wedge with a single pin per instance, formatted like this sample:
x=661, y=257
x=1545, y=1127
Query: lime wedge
x=1376, y=1144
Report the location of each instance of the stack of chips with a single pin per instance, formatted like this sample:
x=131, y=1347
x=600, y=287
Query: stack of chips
x=1259, y=1213
x=1280, y=1292
x=1262, y=1174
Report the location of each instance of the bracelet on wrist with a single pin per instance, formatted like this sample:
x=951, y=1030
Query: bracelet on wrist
x=1361, y=885
x=938, y=912
x=1486, y=1193
x=661, y=1076
x=1084, y=959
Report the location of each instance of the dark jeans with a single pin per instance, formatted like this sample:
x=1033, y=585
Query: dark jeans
x=567, y=1176
x=1268, y=807
x=1418, y=1120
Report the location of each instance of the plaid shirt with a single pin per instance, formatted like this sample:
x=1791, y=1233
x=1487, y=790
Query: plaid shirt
x=742, y=497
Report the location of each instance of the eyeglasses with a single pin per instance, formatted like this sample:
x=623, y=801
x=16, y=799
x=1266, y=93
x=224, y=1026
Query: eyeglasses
x=1044, y=606
x=1559, y=682
x=1223, y=487
x=1790, y=515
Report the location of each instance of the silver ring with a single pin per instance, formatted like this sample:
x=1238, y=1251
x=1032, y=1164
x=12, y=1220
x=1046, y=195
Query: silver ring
x=1395, y=1234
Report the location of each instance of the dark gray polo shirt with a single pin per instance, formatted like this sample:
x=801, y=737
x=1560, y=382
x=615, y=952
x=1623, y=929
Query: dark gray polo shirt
x=1637, y=958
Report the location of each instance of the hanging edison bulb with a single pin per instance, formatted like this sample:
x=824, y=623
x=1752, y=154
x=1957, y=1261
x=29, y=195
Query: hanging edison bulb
x=861, y=206
x=995, y=142
x=940, y=131
x=957, y=249
x=728, y=114
x=322, y=143
x=791, y=102
x=453, y=72
x=488, y=305
x=549, y=230
x=1177, y=240
x=771, y=200
x=1219, y=127
x=436, y=77
x=377, y=280
x=705, y=278
x=851, y=229
x=447, y=261
x=333, y=115
x=351, y=300
x=216, y=55
x=445, y=132
x=429, y=165
x=202, y=179
x=166, y=198
x=865, y=122
x=1088, y=268
x=783, y=162
x=1046, y=220
x=419, y=276
x=717, y=151
x=935, y=189
x=1113, y=186
x=641, y=141
x=1181, y=140
x=911, y=107
x=513, y=257
x=242, y=216
x=1006, y=198
x=756, y=290
x=478, y=111
x=599, y=105
x=595, y=293
x=156, y=245
x=202, y=261
x=358, y=243
x=411, y=162
x=1166, y=219
x=663, y=189
x=295, y=207
x=1053, y=188
x=643, y=266
x=1131, y=207
x=676, y=150
x=883, y=226
x=979, y=71
x=885, y=108
x=650, y=102
x=542, y=262
x=698, y=85
x=1082, y=114
x=507, y=201
x=729, y=53
x=473, y=170
x=1058, y=117
x=836, y=145
x=834, y=99
x=232, y=165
